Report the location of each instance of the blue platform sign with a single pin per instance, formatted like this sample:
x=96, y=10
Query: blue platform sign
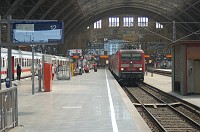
x=29, y=33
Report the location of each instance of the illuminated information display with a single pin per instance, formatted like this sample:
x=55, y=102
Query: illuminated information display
x=37, y=32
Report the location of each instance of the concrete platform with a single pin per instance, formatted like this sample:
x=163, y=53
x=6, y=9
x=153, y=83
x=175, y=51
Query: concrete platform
x=92, y=102
x=164, y=83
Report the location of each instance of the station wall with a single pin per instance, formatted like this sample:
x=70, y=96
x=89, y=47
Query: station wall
x=186, y=71
x=193, y=70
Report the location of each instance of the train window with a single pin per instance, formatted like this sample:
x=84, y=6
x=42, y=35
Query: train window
x=136, y=56
x=29, y=62
x=23, y=62
x=20, y=61
x=16, y=61
x=26, y=62
x=3, y=63
x=126, y=56
x=131, y=56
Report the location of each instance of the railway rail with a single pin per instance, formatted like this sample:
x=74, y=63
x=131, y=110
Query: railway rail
x=162, y=111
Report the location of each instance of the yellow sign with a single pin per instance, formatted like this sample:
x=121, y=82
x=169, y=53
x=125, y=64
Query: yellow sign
x=146, y=56
x=104, y=56
x=169, y=56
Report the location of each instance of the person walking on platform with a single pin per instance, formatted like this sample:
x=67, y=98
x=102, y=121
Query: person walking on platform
x=19, y=70
x=59, y=68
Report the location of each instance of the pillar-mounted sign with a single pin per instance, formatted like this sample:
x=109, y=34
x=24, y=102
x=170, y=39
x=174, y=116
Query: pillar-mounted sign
x=29, y=33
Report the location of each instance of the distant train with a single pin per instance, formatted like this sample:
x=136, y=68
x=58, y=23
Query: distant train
x=24, y=58
x=128, y=66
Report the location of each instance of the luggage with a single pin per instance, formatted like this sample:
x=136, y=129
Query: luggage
x=86, y=69
x=95, y=69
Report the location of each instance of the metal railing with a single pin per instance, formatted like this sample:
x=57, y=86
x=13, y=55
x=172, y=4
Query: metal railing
x=9, y=108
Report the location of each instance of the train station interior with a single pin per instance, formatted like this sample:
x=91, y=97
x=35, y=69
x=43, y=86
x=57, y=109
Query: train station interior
x=75, y=40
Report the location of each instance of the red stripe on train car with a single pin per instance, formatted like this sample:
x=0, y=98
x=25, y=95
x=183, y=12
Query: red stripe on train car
x=23, y=70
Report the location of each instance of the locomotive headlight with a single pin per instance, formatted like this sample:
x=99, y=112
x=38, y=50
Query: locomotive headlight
x=122, y=69
x=140, y=69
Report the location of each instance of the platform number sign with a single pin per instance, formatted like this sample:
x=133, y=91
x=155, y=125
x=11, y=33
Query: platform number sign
x=53, y=27
x=37, y=32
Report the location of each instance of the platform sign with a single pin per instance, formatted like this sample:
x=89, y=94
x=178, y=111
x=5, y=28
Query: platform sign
x=29, y=33
x=75, y=52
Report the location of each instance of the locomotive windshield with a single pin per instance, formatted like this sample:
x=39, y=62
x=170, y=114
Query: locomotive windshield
x=131, y=56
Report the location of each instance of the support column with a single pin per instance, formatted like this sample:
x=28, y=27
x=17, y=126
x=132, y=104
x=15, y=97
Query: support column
x=173, y=56
x=9, y=50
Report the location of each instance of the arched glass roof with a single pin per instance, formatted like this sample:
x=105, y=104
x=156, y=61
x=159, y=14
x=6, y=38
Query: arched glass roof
x=77, y=14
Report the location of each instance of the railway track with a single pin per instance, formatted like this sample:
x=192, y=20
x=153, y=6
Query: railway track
x=162, y=111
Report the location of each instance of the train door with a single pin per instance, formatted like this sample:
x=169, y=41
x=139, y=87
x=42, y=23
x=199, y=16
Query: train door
x=193, y=74
x=190, y=76
x=196, y=76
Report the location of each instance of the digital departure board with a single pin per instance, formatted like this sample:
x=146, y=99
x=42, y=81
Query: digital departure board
x=37, y=32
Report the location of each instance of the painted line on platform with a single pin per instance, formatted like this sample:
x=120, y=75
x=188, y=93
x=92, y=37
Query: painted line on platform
x=113, y=119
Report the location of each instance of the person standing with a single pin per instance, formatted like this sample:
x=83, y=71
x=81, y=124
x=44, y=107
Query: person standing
x=53, y=71
x=19, y=70
x=39, y=68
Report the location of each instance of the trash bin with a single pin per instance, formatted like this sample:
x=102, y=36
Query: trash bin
x=7, y=82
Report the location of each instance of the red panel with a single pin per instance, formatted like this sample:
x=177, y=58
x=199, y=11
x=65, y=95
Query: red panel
x=47, y=77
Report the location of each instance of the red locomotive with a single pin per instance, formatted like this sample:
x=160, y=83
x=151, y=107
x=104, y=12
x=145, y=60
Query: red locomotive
x=128, y=65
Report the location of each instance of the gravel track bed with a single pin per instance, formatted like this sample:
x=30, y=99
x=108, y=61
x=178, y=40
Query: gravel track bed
x=142, y=96
x=168, y=118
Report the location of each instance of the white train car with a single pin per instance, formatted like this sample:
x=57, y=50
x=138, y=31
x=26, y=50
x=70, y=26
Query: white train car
x=59, y=60
x=24, y=58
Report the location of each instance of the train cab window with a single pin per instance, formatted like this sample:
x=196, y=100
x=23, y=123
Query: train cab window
x=131, y=57
x=136, y=56
x=126, y=56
